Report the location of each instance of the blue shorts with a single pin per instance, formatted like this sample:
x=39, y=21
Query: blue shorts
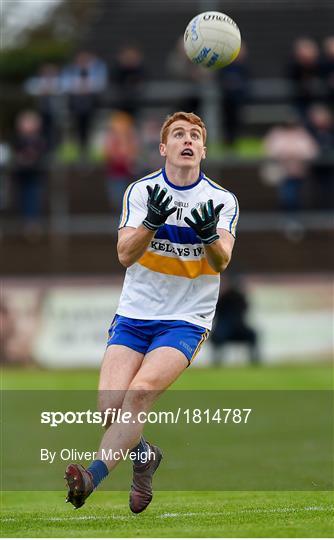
x=144, y=336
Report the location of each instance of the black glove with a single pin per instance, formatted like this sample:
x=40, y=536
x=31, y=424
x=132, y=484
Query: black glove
x=205, y=225
x=157, y=208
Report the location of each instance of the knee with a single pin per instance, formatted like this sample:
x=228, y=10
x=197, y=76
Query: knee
x=141, y=395
x=109, y=403
x=110, y=399
x=108, y=415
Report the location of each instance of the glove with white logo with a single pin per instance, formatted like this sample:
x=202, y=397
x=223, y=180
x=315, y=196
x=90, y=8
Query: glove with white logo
x=205, y=225
x=157, y=208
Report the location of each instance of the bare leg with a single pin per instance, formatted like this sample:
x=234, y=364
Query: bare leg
x=140, y=381
x=119, y=367
x=159, y=369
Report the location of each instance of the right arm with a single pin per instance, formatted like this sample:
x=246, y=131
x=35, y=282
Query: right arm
x=134, y=241
x=132, y=244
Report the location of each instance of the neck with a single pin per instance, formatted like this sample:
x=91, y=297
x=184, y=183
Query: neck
x=182, y=177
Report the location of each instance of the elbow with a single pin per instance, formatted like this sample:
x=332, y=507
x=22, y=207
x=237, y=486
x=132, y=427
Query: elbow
x=219, y=268
x=223, y=265
x=124, y=262
x=123, y=258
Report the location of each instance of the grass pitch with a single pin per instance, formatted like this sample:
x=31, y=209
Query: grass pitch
x=175, y=514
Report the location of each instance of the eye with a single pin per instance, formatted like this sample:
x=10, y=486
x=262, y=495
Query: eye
x=178, y=134
x=195, y=135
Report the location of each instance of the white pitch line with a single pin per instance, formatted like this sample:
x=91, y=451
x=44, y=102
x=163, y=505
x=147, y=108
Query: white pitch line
x=250, y=511
x=167, y=515
x=179, y=514
x=70, y=518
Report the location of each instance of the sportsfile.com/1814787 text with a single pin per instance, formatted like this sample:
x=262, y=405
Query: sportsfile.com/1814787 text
x=118, y=416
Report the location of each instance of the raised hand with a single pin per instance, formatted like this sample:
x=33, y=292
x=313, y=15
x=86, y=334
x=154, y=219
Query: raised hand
x=157, y=207
x=205, y=225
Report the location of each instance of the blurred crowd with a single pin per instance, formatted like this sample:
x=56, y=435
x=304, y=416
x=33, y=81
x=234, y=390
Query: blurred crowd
x=303, y=146
x=72, y=103
x=68, y=100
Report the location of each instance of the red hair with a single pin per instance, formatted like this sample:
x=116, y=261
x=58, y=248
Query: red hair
x=188, y=117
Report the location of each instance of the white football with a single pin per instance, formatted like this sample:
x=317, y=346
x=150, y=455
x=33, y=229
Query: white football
x=212, y=40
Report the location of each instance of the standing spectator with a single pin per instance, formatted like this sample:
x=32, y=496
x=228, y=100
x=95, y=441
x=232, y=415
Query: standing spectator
x=29, y=153
x=150, y=160
x=230, y=324
x=322, y=129
x=328, y=69
x=304, y=72
x=4, y=179
x=84, y=81
x=7, y=330
x=129, y=75
x=292, y=148
x=46, y=86
x=233, y=81
x=121, y=153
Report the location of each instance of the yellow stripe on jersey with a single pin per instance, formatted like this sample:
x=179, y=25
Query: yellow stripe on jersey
x=125, y=210
x=205, y=336
x=176, y=267
x=215, y=183
x=234, y=223
x=235, y=218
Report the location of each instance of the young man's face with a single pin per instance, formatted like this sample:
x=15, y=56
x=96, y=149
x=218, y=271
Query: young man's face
x=184, y=146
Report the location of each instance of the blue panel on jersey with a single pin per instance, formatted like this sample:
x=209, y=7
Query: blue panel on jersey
x=177, y=235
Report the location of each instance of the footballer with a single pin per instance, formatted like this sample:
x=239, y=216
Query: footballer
x=176, y=236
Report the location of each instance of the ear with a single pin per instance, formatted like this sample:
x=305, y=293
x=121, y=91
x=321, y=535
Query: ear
x=204, y=152
x=162, y=149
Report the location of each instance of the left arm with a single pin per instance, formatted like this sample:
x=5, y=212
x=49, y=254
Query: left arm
x=218, y=243
x=219, y=253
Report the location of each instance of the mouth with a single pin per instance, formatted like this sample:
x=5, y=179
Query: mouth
x=187, y=152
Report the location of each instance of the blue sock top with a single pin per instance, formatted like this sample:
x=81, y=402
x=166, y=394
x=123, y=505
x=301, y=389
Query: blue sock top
x=99, y=471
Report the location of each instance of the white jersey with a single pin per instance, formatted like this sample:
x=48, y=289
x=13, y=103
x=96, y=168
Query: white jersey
x=173, y=279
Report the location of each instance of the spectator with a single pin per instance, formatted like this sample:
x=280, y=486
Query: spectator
x=129, y=75
x=4, y=179
x=29, y=154
x=121, y=153
x=181, y=69
x=7, y=331
x=230, y=324
x=328, y=69
x=46, y=86
x=322, y=129
x=233, y=81
x=292, y=149
x=84, y=81
x=150, y=139
x=304, y=72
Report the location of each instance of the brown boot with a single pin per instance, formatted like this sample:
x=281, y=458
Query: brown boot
x=141, y=490
x=80, y=484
